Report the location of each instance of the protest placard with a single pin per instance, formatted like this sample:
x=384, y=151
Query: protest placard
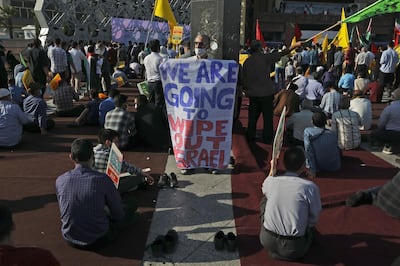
x=278, y=140
x=200, y=98
x=114, y=164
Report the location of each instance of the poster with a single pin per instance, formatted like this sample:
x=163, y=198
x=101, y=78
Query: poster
x=114, y=164
x=200, y=98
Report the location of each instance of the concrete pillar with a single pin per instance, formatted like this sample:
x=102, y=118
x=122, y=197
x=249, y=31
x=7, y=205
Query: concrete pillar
x=220, y=19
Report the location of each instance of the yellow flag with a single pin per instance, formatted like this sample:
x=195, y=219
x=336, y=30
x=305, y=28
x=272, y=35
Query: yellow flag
x=324, y=47
x=343, y=34
x=163, y=10
x=293, y=43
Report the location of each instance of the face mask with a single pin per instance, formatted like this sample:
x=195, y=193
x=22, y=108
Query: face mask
x=200, y=51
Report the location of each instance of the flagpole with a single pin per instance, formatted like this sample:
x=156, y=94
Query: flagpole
x=151, y=20
x=325, y=30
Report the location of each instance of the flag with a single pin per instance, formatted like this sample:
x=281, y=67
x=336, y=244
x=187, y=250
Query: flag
x=360, y=38
x=325, y=47
x=396, y=32
x=352, y=34
x=377, y=8
x=315, y=40
x=369, y=31
x=293, y=43
x=343, y=34
x=163, y=10
x=297, y=31
x=259, y=35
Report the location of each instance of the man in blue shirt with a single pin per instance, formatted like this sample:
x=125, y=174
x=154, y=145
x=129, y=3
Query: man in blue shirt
x=107, y=105
x=91, y=208
x=388, y=62
x=317, y=142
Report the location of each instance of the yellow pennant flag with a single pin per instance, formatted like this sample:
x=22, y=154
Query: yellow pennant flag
x=163, y=10
x=343, y=34
x=293, y=43
x=324, y=47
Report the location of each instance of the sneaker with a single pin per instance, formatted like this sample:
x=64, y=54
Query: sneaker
x=231, y=242
x=214, y=171
x=219, y=240
x=157, y=247
x=173, y=182
x=170, y=241
x=163, y=181
x=387, y=149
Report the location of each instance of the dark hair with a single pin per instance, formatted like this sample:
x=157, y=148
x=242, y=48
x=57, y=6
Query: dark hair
x=6, y=221
x=293, y=159
x=319, y=119
x=113, y=93
x=11, y=81
x=81, y=150
x=255, y=46
x=90, y=49
x=94, y=94
x=34, y=87
x=344, y=103
x=106, y=134
x=57, y=41
x=141, y=99
x=120, y=99
x=154, y=45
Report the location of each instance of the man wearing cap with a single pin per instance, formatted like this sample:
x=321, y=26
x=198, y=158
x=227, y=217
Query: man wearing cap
x=388, y=130
x=11, y=120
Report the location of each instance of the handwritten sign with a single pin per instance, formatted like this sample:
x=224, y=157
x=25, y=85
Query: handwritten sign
x=114, y=164
x=200, y=98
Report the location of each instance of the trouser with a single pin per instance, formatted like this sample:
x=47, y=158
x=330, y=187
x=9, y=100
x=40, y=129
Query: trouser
x=386, y=136
x=33, y=127
x=74, y=112
x=288, y=248
x=386, y=79
x=257, y=106
x=76, y=81
x=115, y=227
x=156, y=94
x=129, y=183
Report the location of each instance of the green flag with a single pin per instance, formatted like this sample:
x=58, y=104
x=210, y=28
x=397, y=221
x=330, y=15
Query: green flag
x=378, y=8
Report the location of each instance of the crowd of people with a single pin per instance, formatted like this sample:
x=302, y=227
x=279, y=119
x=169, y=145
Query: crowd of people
x=328, y=104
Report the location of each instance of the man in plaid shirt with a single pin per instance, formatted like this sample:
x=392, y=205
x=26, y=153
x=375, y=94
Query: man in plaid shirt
x=101, y=153
x=63, y=99
x=122, y=121
x=58, y=58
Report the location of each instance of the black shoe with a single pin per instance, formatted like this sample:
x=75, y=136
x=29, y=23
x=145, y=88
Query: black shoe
x=356, y=199
x=219, y=240
x=231, y=242
x=163, y=181
x=173, y=182
x=170, y=241
x=158, y=245
x=187, y=171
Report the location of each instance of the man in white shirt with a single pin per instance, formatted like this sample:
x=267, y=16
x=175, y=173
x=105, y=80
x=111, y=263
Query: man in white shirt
x=76, y=66
x=299, y=121
x=289, y=209
x=346, y=123
x=151, y=64
x=362, y=105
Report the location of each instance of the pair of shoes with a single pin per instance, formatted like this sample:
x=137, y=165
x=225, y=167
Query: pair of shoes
x=387, y=149
x=187, y=171
x=164, y=244
x=168, y=180
x=221, y=240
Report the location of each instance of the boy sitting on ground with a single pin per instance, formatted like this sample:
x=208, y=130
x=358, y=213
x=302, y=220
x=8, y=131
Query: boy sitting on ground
x=101, y=153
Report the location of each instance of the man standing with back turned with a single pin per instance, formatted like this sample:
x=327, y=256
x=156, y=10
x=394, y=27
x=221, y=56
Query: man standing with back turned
x=259, y=88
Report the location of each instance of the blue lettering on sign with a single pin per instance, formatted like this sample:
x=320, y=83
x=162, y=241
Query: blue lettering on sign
x=199, y=97
x=202, y=73
x=177, y=71
x=232, y=72
x=216, y=67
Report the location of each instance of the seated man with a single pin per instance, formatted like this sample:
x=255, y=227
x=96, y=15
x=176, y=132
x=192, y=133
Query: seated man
x=107, y=105
x=12, y=120
x=123, y=122
x=317, y=141
x=90, y=115
x=347, y=124
x=63, y=99
x=388, y=130
x=362, y=106
x=386, y=197
x=91, y=208
x=101, y=153
x=331, y=100
x=289, y=209
x=19, y=256
x=151, y=124
x=297, y=122
x=36, y=108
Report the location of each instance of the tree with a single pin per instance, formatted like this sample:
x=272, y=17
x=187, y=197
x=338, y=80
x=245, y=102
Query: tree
x=6, y=15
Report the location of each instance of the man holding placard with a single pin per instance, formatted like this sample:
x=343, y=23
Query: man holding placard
x=200, y=97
